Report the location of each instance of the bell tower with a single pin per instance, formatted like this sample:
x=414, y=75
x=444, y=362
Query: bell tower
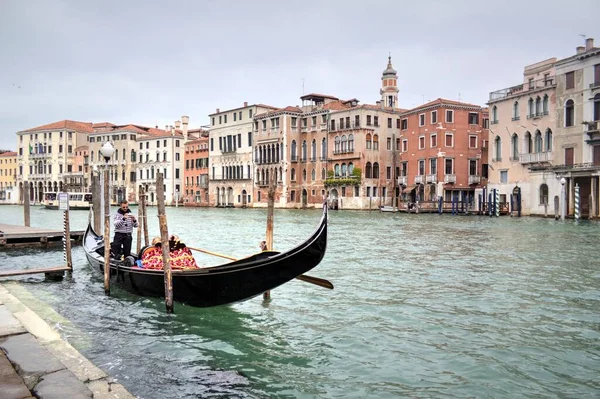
x=389, y=86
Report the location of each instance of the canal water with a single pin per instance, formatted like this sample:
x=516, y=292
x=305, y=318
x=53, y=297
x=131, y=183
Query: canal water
x=424, y=306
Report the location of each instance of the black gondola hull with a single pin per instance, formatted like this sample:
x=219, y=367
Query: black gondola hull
x=219, y=285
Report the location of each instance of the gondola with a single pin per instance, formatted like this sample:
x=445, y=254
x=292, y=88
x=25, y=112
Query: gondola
x=228, y=283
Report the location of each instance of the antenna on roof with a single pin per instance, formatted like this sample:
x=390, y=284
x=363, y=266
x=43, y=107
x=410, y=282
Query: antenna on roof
x=584, y=36
x=303, y=86
x=459, y=99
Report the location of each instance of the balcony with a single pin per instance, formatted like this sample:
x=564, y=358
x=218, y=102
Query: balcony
x=323, y=126
x=419, y=179
x=522, y=89
x=344, y=151
x=431, y=178
x=536, y=157
x=473, y=179
x=496, y=159
x=294, y=158
x=304, y=129
x=402, y=180
x=313, y=128
x=450, y=179
x=594, y=85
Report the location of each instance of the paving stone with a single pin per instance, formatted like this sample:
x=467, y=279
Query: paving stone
x=31, y=360
x=61, y=384
x=83, y=369
x=109, y=390
x=9, y=325
x=12, y=386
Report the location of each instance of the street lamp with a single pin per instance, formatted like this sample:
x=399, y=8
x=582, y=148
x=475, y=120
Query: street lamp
x=107, y=151
x=563, y=199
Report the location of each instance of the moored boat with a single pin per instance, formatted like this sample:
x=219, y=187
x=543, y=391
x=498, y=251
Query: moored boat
x=216, y=285
x=77, y=201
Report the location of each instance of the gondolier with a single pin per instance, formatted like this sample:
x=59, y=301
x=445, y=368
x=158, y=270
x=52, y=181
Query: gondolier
x=124, y=223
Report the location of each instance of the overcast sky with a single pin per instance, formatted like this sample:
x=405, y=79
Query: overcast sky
x=149, y=62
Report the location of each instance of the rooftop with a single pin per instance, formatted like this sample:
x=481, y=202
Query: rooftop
x=83, y=127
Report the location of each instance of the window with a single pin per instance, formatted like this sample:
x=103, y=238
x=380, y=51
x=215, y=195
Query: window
x=472, y=141
x=538, y=106
x=225, y=118
x=404, y=145
x=422, y=120
x=472, y=167
x=545, y=105
x=389, y=143
x=433, y=117
x=449, y=166
x=433, y=166
x=249, y=113
x=176, y=143
x=350, y=143
x=449, y=116
x=397, y=123
x=548, y=140
x=596, y=111
x=569, y=156
x=569, y=113
x=421, y=167
x=514, y=147
x=497, y=149
x=473, y=118
x=234, y=116
x=368, y=170
x=389, y=123
x=570, y=80
x=504, y=176
x=538, y=142
x=376, y=120
x=433, y=140
x=449, y=140
x=375, y=142
x=249, y=139
x=404, y=124
x=421, y=142
x=176, y=156
x=515, y=116
x=596, y=75
x=544, y=194
x=494, y=114
x=531, y=110
x=388, y=172
x=375, y=170
x=369, y=120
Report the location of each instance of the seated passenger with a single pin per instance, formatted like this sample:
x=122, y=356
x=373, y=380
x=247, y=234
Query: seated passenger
x=181, y=256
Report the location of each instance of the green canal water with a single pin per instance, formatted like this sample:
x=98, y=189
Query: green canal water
x=424, y=306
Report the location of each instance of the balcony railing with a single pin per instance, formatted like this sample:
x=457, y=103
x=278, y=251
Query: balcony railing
x=323, y=126
x=594, y=85
x=593, y=127
x=522, y=88
x=431, y=178
x=450, y=179
x=473, y=179
x=304, y=129
x=294, y=158
x=419, y=179
x=402, y=180
x=535, y=157
x=347, y=151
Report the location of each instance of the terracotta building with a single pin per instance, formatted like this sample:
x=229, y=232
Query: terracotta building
x=8, y=178
x=443, y=151
x=196, y=171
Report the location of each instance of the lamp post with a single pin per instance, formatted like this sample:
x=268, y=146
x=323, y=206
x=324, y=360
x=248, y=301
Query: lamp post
x=107, y=151
x=563, y=200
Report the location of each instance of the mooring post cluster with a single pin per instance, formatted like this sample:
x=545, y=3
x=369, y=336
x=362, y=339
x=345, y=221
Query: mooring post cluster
x=164, y=238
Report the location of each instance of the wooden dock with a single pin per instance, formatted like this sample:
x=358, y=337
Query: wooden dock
x=21, y=236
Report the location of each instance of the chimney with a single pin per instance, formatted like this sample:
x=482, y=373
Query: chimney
x=589, y=43
x=166, y=128
x=580, y=49
x=245, y=103
x=218, y=110
x=185, y=120
x=177, y=124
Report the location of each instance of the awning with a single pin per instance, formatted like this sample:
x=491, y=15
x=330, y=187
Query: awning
x=409, y=188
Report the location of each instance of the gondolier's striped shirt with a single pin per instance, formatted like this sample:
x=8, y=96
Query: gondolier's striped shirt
x=123, y=225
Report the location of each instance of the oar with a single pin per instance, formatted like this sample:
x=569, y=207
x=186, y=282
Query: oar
x=309, y=279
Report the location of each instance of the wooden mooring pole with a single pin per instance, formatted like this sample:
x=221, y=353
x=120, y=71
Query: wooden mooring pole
x=269, y=238
x=97, y=203
x=67, y=242
x=140, y=223
x=26, y=209
x=145, y=218
x=106, y=235
x=164, y=238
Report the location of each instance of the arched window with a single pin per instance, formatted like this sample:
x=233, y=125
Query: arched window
x=375, y=142
x=293, y=175
x=303, y=174
x=323, y=174
x=545, y=104
x=494, y=114
x=368, y=170
x=350, y=168
x=516, y=111
x=344, y=170
x=314, y=150
x=596, y=113
x=256, y=155
x=538, y=106
x=544, y=194
x=294, y=151
x=351, y=142
x=313, y=175
x=538, y=141
x=498, y=148
x=304, y=149
x=117, y=155
x=531, y=109
x=336, y=148
x=277, y=153
x=368, y=141
x=344, y=143
x=514, y=147
x=569, y=113
x=324, y=148
x=375, y=170
x=528, y=144
x=336, y=170
x=548, y=140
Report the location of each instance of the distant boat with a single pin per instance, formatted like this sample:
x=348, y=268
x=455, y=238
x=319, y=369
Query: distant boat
x=77, y=201
x=387, y=208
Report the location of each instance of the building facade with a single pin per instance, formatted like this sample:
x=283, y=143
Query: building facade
x=230, y=155
x=45, y=153
x=522, y=131
x=8, y=178
x=577, y=135
x=196, y=172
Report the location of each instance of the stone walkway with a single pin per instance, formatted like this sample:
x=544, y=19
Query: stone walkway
x=36, y=363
